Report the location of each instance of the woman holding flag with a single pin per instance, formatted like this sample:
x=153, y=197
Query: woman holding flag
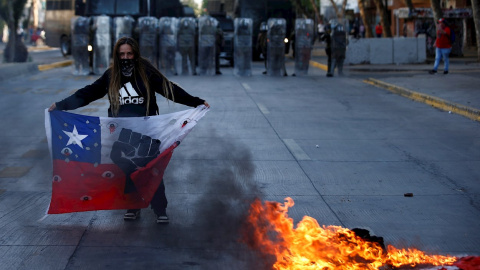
x=131, y=83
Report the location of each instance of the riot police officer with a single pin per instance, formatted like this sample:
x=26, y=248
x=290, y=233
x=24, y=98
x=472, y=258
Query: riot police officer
x=243, y=47
x=80, y=41
x=328, y=47
x=276, y=47
x=168, y=45
x=339, y=47
x=303, y=45
x=186, y=44
x=206, y=44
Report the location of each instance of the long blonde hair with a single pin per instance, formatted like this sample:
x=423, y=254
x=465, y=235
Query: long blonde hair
x=141, y=65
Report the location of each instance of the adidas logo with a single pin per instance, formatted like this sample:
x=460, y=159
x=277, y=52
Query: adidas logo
x=128, y=95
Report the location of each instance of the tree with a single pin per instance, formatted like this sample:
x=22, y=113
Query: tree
x=437, y=10
x=11, y=12
x=203, y=8
x=476, y=21
x=365, y=19
x=409, y=5
x=384, y=21
x=307, y=8
x=193, y=5
x=340, y=13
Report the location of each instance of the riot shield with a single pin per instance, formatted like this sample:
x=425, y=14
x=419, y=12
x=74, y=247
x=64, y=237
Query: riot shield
x=101, y=44
x=147, y=31
x=186, y=43
x=303, y=45
x=80, y=40
x=167, y=29
x=206, y=45
x=276, y=33
x=243, y=47
x=122, y=27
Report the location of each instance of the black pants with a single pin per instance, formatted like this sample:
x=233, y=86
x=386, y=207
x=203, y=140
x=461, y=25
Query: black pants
x=217, y=62
x=159, y=201
x=328, y=51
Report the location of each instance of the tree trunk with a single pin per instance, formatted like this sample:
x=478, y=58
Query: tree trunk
x=476, y=21
x=12, y=33
x=301, y=8
x=337, y=12
x=315, y=9
x=381, y=9
x=340, y=13
x=344, y=6
x=35, y=14
x=365, y=19
x=437, y=10
x=410, y=6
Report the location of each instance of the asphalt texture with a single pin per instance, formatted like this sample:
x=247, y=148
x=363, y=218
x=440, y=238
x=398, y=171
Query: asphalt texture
x=349, y=152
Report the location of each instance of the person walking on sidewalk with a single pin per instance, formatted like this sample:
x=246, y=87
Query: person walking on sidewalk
x=443, y=46
x=131, y=82
x=379, y=30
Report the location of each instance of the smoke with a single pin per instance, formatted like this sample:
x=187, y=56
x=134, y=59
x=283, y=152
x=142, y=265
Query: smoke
x=228, y=189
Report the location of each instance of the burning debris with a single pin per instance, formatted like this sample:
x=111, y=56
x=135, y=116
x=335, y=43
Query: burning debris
x=311, y=246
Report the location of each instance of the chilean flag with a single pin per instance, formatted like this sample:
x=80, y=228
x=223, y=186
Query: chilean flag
x=102, y=163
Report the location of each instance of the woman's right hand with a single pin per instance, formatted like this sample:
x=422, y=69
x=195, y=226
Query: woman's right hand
x=52, y=107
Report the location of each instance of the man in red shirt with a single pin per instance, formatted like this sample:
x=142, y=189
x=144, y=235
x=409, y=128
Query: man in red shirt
x=443, y=46
x=378, y=30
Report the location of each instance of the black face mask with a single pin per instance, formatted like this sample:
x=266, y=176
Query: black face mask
x=127, y=67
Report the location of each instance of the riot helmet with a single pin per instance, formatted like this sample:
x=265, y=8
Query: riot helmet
x=263, y=27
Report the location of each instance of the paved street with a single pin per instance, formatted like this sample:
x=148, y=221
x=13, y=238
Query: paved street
x=346, y=151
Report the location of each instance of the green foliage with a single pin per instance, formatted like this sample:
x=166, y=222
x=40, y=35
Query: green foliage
x=305, y=7
x=3, y=10
x=193, y=5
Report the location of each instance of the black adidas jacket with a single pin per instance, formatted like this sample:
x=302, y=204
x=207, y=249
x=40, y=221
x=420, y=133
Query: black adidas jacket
x=133, y=95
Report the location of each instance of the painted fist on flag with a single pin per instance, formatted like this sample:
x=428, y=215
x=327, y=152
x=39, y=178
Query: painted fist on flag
x=132, y=151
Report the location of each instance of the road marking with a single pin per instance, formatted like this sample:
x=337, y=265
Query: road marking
x=262, y=108
x=296, y=150
x=469, y=112
x=246, y=86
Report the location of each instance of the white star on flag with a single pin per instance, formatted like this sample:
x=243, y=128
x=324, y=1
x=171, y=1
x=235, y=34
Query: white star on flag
x=74, y=137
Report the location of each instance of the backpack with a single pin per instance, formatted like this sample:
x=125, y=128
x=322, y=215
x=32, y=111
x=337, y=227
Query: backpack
x=452, y=36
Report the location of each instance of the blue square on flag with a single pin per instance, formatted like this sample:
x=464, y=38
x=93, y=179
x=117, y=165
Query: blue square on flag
x=75, y=137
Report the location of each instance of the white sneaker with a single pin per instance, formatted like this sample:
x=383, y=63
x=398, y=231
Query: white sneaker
x=132, y=214
x=162, y=217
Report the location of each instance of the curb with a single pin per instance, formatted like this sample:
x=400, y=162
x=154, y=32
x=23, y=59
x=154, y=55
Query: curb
x=55, y=65
x=469, y=112
x=318, y=65
x=12, y=70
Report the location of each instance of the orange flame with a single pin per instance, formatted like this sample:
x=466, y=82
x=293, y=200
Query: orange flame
x=311, y=246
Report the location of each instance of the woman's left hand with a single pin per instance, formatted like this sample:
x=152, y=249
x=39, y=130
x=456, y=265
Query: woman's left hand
x=206, y=104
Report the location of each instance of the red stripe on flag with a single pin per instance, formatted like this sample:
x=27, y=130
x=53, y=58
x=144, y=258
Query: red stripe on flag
x=79, y=186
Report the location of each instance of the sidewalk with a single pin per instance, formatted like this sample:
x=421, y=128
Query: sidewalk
x=456, y=92
x=33, y=65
